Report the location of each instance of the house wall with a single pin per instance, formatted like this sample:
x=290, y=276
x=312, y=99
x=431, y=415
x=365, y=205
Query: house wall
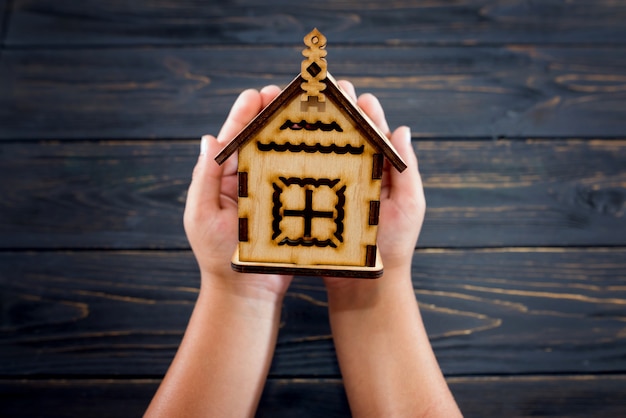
x=340, y=182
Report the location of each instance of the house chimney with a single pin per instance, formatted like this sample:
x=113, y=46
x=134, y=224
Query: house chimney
x=314, y=67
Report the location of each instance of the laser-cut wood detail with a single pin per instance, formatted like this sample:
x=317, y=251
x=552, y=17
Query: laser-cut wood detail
x=309, y=181
x=242, y=184
x=308, y=213
x=314, y=66
x=342, y=105
x=302, y=147
x=374, y=212
x=339, y=207
x=312, y=206
x=303, y=124
x=370, y=255
x=377, y=166
x=243, y=229
x=307, y=242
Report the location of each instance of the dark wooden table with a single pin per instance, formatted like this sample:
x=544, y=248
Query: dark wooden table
x=518, y=113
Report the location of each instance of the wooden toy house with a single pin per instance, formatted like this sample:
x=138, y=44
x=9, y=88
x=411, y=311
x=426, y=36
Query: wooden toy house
x=310, y=168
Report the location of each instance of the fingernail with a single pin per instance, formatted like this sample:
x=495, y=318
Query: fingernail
x=407, y=133
x=204, y=144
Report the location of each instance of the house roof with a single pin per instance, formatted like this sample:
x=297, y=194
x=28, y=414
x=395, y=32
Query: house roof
x=363, y=123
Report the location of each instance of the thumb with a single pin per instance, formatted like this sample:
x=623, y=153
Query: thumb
x=204, y=191
x=408, y=184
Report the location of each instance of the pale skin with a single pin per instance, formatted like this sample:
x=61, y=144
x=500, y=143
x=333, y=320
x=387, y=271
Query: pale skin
x=386, y=360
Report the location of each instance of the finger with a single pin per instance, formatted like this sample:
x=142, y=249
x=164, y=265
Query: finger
x=406, y=186
x=231, y=164
x=204, y=190
x=268, y=93
x=245, y=108
x=372, y=107
x=348, y=88
x=238, y=118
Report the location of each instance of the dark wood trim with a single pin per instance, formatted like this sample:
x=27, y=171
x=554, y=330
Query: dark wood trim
x=370, y=131
x=243, y=229
x=370, y=255
x=292, y=90
x=377, y=166
x=308, y=271
x=374, y=212
x=332, y=92
x=242, y=183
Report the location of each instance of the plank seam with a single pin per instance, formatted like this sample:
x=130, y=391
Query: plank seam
x=415, y=138
x=14, y=46
x=422, y=250
x=313, y=377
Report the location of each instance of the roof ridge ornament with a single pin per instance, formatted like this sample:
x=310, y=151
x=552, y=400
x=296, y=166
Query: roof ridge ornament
x=313, y=69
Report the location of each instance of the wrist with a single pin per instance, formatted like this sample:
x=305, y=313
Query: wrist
x=346, y=293
x=238, y=289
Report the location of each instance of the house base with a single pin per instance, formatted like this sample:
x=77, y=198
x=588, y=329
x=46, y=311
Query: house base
x=308, y=270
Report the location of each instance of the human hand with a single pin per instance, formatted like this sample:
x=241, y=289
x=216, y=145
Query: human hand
x=211, y=220
x=402, y=202
x=385, y=357
x=231, y=335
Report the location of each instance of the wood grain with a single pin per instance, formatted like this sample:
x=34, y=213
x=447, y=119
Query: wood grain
x=184, y=22
x=518, y=118
x=130, y=195
x=516, y=311
x=486, y=92
x=59, y=195
x=517, y=396
x=523, y=193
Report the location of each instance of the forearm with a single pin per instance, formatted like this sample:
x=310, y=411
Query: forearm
x=223, y=360
x=385, y=357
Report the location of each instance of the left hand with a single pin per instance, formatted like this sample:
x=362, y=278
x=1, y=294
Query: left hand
x=211, y=220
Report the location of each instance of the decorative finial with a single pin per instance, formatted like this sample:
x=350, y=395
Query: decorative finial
x=314, y=66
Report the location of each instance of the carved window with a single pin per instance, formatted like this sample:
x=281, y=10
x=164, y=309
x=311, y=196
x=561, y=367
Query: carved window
x=308, y=212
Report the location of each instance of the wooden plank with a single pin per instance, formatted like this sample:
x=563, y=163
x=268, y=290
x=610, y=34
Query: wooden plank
x=517, y=311
x=103, y=195
x=481, y=397
x=129, y=195
x=523, y=193
x=534, y=309
x=540, y=396
x=75, y=398
x=67, y=22
x=4, y=16
x=509, y=91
